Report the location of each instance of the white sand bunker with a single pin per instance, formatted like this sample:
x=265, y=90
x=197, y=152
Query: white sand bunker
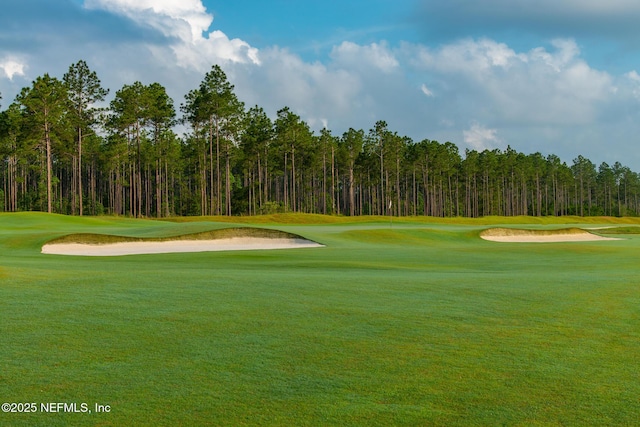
x=219, y=240
x=511, y=235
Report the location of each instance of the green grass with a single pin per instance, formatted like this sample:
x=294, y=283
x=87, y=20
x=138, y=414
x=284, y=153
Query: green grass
x=414, y=322
x=620, y=230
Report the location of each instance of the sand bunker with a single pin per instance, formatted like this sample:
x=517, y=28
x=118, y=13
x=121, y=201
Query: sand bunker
x=218, y=240
x=511, y=235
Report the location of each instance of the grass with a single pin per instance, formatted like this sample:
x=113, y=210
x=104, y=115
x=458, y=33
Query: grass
x=621, y=230
x=299, y=218
x=222, y=233
x=415, y=322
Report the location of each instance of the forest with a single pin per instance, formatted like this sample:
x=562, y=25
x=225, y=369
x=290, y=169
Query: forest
x=61, y=153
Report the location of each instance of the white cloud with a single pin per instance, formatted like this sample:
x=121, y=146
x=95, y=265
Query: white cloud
x=566, y=52
x=185, y=19
x=187, y=22
x=535, y=87
x=633, y=79
x=375, y=55
x=426, y=90
x=473, y=57
x=215, y=48
x=634, y=76
x=12, y=67
x=317, y=92
x=481, y=138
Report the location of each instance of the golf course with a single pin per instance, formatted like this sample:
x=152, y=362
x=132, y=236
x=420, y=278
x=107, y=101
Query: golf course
x=374, y=321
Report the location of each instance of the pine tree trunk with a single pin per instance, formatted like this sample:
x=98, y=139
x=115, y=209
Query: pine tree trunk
x=227, y=182
x=352, y=207
x=47, y=138
x=80, y=211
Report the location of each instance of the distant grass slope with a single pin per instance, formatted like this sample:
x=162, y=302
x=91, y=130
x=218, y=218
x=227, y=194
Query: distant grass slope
x=301, y=219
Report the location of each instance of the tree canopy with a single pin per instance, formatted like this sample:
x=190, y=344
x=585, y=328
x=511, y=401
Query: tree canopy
x=60, y=153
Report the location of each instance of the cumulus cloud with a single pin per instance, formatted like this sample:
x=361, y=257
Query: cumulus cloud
x=536, y=87
x=12, y=67
x=187, y=23
x=318, y=92
x=215, y=48
x=184, y=19
x=481, y=138
x=467, y=56
x=374, y=55
x=354, y=87
x=633, y=80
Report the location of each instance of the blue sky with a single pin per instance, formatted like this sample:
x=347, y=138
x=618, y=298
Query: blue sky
x=311, y=28
x=550, y=76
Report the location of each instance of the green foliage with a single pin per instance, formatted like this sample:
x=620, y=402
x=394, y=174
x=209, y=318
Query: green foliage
x=216, y=117
x=233, y=161
x=84, y=91
x=270, y=208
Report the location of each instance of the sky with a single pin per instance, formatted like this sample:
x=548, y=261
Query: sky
x=557, y=77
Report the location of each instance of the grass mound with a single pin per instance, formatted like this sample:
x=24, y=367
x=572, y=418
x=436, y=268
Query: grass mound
x=224, y=233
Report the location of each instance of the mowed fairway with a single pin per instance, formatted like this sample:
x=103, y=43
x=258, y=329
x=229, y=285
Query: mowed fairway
x=415, y=322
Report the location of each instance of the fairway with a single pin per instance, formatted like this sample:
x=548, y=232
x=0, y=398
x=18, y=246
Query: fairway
x=414, y=321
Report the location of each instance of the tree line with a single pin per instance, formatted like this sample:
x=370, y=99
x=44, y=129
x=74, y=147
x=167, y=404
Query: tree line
x=60, y=153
